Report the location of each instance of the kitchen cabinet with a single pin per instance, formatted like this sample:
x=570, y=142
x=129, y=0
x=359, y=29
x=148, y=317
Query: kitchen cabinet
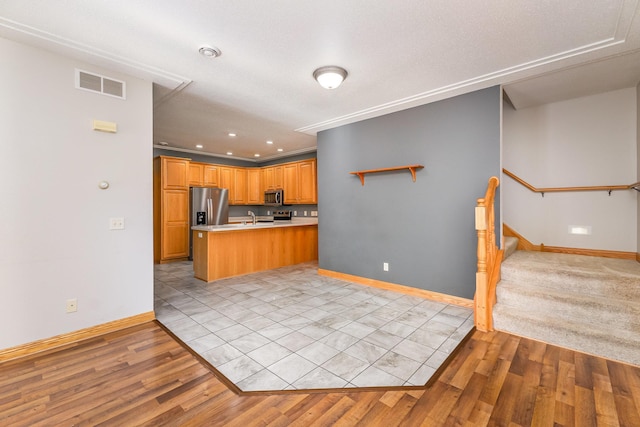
x=196, y=174
x=235, y=180
x=290, y=183
x=240, y=187
x=272, y=178
x=171, y=179
x=278, y=177
x=211, y=175
x=267, y=179
x=307, y=182
x=255, y=191
x=300, y=183
x=219, y=254
x=175, y=226
x=175, y=172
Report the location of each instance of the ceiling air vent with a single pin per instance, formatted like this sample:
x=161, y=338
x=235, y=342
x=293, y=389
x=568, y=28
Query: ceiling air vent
x=100, y=84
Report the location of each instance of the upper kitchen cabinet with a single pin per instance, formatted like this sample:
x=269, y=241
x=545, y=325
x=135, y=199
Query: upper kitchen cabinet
x=203, y=174
x=175, y=172
x=235, y=180
x=211, y=175
x=307, y=182
x=300, y=182
x=196, y=174
x=254, y=186
x=240, y=189
x=272, y=178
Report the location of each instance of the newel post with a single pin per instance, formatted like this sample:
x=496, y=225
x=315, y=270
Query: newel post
x=480, y=299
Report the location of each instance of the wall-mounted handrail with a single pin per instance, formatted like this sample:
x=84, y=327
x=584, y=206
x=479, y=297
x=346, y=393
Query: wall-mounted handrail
x=608, y=188
x=489, y=259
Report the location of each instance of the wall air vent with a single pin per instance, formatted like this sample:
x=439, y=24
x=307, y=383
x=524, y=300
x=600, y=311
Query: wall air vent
x=100, y=84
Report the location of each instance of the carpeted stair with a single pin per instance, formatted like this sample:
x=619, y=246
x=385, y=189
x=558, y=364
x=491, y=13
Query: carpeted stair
x=589, y=304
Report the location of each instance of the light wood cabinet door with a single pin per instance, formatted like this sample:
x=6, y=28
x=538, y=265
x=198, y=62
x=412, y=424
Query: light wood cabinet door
x=290, y=172
x=226, y=179
x=196, y=174
x=307, y=191
x=175, y=173
x=240, y=190
x=268, y=179
x=235, y=183
x=211, y=175
x=175, y=224
x=278, y=177
x=254, y=187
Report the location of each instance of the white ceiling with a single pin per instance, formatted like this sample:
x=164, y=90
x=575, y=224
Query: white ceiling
x=399, y=54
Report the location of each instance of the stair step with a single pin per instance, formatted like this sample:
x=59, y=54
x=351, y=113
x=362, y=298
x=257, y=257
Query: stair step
x=589, y=304
x=510, y=246
x=604, y=341
x=570, y=305
x=604, y=277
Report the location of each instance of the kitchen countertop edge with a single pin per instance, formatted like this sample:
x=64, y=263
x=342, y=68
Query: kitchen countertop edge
x=296, y=222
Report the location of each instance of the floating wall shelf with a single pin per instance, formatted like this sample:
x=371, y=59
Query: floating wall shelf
x=411, y=168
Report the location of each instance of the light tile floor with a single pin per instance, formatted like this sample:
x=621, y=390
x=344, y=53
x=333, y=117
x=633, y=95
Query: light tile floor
x=290, y=328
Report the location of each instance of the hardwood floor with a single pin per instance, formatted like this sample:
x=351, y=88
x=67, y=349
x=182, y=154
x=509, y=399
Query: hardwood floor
x=141, y=376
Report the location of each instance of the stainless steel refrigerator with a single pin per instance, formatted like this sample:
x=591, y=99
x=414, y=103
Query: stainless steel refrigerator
x=209, y=206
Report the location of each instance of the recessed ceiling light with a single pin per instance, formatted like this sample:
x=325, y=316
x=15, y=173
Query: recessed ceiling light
x=232, y=134
x=256, y=155
x=163, y=143
x=229, y=153
x=269, y=142
x=208, y=51
x=199, y=146
x=280, y=149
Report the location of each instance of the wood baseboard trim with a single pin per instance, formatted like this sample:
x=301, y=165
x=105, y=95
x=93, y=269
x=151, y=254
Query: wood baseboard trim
x=525, y=245
x=590, y=252
x=74, y=337
x=422, y=293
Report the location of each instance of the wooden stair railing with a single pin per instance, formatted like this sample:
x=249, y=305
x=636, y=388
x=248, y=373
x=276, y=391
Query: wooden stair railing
x=607, y=188
x=489, y=259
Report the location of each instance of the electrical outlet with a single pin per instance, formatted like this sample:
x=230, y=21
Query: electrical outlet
x=314, y=213
x=295, y=213
x=116, y=223
x=72, y=305
x=305, y=213
x=385, y=266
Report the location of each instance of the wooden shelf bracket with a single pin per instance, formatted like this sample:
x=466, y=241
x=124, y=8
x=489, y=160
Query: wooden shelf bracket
x=411, y=168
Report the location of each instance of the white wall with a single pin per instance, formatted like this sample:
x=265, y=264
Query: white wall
x=638, y=159
x=54, y=238
x=588, y=141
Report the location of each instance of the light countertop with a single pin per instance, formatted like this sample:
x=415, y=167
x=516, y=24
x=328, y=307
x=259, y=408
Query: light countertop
x=295, y=222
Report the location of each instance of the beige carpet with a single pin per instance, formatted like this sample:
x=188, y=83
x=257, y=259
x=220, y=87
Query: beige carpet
x=589, y=304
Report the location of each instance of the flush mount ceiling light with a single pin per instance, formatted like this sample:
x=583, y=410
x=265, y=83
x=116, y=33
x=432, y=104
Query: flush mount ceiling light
x=211, y=52
x=330, y=77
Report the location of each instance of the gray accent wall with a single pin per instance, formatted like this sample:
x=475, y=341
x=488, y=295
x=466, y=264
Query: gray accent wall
x=425, y=230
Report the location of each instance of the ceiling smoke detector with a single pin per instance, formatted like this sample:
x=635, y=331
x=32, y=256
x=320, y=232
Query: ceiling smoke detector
x=211, y=52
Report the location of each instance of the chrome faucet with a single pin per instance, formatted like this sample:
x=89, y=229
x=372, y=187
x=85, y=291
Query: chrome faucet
x=253, y=217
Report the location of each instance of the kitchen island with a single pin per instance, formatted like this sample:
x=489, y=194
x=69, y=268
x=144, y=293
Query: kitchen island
x=229, y=250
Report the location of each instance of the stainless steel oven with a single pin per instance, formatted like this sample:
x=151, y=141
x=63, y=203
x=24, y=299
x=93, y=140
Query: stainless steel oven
x=274, y=197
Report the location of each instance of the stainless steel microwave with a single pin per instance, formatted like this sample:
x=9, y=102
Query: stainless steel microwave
x=274, y=197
